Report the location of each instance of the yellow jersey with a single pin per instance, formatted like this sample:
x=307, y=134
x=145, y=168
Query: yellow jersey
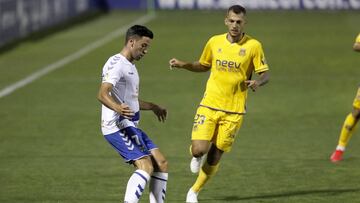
x=231, y=64
x=358, y=38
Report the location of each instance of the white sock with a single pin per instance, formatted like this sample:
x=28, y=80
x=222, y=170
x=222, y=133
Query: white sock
x=157, y=186
x=341, y=148
x=136, y=186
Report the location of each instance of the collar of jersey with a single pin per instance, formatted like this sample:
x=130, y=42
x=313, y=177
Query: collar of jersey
x=125, y=59
x=243, y=39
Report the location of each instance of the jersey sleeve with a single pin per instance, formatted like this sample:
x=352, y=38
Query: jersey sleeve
x=206, y=56
x=259, y=61
x=111, y=73
x=357, y=40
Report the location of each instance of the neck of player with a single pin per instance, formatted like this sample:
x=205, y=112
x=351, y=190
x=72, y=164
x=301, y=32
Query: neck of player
x=234, y=39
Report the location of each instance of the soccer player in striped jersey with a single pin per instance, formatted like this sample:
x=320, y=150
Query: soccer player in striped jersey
x=351, y=120
x=231, y=58
x=118, y=93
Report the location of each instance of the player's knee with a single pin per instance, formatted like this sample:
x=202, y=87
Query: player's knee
x=148, y=168
x=198, y=151
x=145, y=165
x=163, y=165
x=199, y=147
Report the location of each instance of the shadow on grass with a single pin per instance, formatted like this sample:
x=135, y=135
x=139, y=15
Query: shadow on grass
x=286, y=194
x=328, y=192
x=217, y=200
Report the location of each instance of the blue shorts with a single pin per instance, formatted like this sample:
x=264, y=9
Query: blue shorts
x=131, y=143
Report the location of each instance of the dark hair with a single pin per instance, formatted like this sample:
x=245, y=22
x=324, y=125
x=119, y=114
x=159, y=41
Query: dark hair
x=138, y=30
x=237, y=9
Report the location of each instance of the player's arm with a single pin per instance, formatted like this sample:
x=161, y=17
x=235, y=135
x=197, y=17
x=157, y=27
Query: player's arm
x=262, y=80
x=159, y=111
x=194, y=66
x=356, y=46
x=105, y=98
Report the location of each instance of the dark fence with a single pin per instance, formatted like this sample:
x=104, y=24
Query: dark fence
x=19, y=18
x=249, y=4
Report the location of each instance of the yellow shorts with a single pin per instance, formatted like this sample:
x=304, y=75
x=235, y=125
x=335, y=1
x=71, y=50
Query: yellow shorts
x=356, y=102
x=216, y=126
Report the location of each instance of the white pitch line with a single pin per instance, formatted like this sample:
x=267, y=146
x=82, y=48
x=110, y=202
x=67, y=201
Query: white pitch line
x=72, y=57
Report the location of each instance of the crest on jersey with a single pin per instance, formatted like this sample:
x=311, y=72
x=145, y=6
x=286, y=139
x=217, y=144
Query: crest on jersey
x=242, y=52
x=219, y=50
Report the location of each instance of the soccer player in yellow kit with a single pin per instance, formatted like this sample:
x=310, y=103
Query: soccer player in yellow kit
x=351, y=120
x=231, y=58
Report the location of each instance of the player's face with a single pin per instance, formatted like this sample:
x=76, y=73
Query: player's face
x=140, y=47
x=235, y=23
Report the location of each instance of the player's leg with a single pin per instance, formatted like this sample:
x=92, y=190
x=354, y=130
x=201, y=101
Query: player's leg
x=138, y=180
x=229, y=124
x=131, y=149
x=208, y=170
x=198, y=149
x=347, y=129
x=159, y=177
x=203, y=131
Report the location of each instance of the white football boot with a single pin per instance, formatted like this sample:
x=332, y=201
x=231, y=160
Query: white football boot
x=196, y=163
x=191, y=196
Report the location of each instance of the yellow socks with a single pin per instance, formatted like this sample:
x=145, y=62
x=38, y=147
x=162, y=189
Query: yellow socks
x=346, y=131
x=206, y=172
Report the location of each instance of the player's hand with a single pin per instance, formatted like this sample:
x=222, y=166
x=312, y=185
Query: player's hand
x=175, y=63
x=253, y=84
x=160, y=112
x=125, y=111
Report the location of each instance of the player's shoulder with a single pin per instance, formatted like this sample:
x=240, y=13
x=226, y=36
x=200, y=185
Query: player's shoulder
x=252, y=40
x=115, y=64
x=118, y=60
x=218, y=37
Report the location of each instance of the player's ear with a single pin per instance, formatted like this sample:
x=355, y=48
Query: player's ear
x=131, y=42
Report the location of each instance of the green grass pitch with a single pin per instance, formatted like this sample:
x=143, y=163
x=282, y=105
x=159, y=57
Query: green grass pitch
x=52, y=150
